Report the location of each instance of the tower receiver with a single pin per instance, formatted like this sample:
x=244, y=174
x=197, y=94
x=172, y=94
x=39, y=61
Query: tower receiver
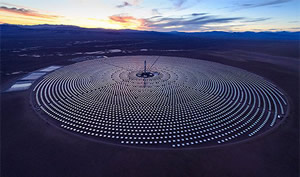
x=145, y=73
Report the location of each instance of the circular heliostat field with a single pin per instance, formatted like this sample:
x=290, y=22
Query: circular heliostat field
x=184, y=102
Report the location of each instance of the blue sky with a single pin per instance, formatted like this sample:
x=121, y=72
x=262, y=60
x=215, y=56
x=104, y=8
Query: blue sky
x=158, y=15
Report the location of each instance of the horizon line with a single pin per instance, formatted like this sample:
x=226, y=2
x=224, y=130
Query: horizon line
x=82, y=27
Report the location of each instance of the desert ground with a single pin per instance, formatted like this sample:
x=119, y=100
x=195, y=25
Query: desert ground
x=32, y=147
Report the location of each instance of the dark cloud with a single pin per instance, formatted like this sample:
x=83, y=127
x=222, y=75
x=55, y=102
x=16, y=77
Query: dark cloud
x=155, y=12
x=183, y=4
x=19, y=10
x=25, y=12
x=298, y=28
x=257, y=20
x=157, y=16
x=178, y=3
x=125, y=4
x=295, y=21
x=198, y=14
x=190, y=22
x=268, y=3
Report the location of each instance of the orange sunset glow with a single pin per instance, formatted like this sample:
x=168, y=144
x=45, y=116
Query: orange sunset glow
x=153, y=15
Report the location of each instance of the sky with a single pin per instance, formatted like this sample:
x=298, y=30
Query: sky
x=158, y=15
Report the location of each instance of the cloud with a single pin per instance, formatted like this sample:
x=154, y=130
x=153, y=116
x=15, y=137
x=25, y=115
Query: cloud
x=155, y=17
x=125, y=4
x=136, y=2
x=199, y=22
x=198, y=14
x=193, y=22
x=295, y=21
x=121, y=19
x=26, y=12
x=178, y=3
x=155, y=12
x=130, y=3
x=129, y=22
x=257, y=20
x=269, y=3
x=295, y=28
x=183, y=4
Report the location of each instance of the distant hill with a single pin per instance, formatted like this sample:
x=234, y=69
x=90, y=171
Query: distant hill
x=62, y=27
x=282, y=35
